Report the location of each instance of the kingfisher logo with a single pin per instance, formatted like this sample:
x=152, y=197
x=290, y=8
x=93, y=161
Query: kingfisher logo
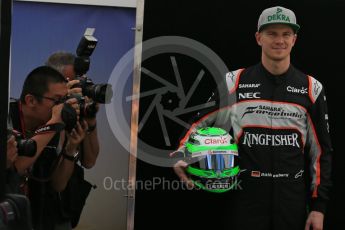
x=216, y=141
x=301, y=90
x=272, y=112
x=261, y=139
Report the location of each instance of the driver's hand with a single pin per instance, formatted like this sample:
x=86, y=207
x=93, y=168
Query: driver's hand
x=180, y=170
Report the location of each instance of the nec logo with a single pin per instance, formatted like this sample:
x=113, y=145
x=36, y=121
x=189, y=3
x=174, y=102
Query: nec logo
x=249, y=95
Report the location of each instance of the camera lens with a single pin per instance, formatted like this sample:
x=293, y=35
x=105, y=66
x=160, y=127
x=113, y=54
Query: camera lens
x=101, y=93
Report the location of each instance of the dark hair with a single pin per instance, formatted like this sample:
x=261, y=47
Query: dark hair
x=38, y=80
x=60, y=59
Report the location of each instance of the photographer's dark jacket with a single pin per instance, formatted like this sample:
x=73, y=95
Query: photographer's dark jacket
x=48, y=206
x=45, y=201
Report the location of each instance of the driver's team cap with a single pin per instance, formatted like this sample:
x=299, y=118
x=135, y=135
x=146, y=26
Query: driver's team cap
x=278, y=15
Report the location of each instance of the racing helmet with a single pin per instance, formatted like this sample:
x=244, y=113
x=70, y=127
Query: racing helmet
x=213, y=154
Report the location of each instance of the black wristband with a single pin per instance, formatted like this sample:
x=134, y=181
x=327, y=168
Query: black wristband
x=50, y=128
x=73, y=158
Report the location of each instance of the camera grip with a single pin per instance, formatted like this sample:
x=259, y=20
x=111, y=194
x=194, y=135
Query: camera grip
x=69, y=117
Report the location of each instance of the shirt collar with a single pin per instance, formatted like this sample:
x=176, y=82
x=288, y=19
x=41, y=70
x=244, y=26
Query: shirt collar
x=276, y=78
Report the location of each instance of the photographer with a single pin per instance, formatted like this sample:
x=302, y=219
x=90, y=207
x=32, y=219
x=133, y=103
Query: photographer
x=11, y=151
x=89, y=149
x=12, y=179
x=64, y=63
x=39, y=116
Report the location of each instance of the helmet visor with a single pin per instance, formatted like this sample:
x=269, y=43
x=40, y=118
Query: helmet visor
x=214, y=160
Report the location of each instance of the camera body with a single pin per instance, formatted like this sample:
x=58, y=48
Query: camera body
x=100, y=93
x=87, y=110
x=25, y=147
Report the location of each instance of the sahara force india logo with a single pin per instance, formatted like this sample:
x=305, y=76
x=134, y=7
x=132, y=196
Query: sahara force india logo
x=272, y=112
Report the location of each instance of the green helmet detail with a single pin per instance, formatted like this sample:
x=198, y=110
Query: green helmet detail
x=210, y=139
x=211, y=131
x=212, y=174
x=214, y=154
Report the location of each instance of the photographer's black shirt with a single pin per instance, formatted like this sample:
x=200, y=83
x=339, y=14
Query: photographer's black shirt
x=43, y=198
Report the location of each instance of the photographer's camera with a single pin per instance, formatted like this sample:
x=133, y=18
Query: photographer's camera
x=25, y=147
x=100, y=93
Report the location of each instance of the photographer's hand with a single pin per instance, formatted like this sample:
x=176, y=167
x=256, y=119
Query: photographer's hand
x=56, y=115
x=75, y=137
x=56, y=111
x=66, y=163
x=90, y=144
x=75, y=105
x=89, y=100
x=11, y=151
x=71, y=90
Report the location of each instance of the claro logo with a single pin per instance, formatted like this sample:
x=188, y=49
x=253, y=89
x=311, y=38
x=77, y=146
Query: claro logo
x=215, y=141
x=302, y=90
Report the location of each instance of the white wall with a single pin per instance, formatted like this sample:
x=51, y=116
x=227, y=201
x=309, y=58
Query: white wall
x=106, y=208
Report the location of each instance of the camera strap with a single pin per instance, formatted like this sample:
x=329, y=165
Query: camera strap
x=55, y=164
x=58, y=127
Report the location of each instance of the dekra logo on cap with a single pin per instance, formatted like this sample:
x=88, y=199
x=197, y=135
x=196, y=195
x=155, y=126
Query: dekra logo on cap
x=278, y=16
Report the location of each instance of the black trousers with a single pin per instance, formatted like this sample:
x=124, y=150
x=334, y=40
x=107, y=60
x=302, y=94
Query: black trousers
x=266, y=205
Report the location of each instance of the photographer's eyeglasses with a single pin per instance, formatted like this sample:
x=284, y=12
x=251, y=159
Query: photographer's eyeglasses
x=56, y=101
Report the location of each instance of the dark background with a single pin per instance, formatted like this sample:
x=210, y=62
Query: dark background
x=5, y=30
x=228, y=27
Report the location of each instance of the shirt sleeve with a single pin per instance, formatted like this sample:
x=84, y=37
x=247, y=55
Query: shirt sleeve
x=217, y=116
x=320, y=150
